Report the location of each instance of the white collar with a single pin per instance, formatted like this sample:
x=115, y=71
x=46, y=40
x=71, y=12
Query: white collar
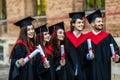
x=96, y=33
x=77, y=35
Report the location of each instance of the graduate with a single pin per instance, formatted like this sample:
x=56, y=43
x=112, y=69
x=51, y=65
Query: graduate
x=58, y=38
x=44, y=70
x=25, y=44
x=76, y=58
x=100, y=67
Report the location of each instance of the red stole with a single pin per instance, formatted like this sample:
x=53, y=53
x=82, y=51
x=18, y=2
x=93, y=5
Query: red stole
x=96, y=39
x=74, y=40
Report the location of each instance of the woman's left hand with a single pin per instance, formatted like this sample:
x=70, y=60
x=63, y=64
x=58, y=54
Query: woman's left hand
x=62, y=62
x=46, y=64
x=115, y=58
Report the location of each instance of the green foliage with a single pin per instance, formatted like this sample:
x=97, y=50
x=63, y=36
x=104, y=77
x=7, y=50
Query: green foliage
x=41, y=8
x=92, y=4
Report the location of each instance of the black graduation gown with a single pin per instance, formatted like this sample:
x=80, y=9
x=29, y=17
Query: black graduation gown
x=45, y=73
x=76, y=55
x=100, y=67
x=22, y=73
x=60, y=74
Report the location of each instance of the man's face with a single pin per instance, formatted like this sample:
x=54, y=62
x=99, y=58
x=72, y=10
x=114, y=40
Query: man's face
x=78, y=25
x=98, y=24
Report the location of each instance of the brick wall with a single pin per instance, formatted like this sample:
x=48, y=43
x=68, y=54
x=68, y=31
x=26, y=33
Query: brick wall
x=113, y=26
x=57, y=11
x=17, y=10
x=77, y=5
x=113, y=17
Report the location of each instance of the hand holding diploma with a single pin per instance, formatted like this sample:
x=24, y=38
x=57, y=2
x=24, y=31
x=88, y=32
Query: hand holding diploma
x=112, y=50
x=115, y=56
x=26, y=59
x=90, y=49
x=21, y=61
x=62, y=52
x=46, y=64
x=62, y=61
x=43, y=56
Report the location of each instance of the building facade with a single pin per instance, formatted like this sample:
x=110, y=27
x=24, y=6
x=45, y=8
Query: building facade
x=52, y=11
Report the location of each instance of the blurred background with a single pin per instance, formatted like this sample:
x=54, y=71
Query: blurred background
x=51, y=12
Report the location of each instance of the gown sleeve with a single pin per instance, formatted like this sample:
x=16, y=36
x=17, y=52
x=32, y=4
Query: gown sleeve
x=19, y=51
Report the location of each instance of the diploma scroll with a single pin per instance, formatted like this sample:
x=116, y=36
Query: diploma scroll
x=30, y=56
x=90, y=47
x=62, y=52
x=42, y=54
x=112, y=50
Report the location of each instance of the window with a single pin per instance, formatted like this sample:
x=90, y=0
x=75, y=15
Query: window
x=1, y=52
x=2, y=9
x=3, y=27
x=40, y=7
x=94, y=4
x=91, y=5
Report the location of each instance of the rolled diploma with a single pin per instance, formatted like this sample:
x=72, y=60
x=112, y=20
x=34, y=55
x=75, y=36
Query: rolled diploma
x=112, y=49
x=89, y=46
x=26, y=59
x=31, y=56
x=62, y=51
x=42, y=52
x=62, y=56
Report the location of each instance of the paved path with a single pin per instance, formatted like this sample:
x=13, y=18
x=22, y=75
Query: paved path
x=4, y=71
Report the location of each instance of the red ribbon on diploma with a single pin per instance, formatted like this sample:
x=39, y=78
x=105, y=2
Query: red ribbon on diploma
x=43, y=58
x=115, y=54
x=28, y=55
x=91, y=49
x=63, y=56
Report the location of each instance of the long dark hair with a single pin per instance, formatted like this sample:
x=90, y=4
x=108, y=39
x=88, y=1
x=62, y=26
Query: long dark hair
x=56, y=46
x=23, y=36
x=41, y=42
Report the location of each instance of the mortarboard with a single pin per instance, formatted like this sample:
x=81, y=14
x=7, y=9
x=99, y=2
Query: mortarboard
x=94, y=15
x=77, y=15
x=24, y=22
x=43, y=28
x=39, y=30
x=56, y=27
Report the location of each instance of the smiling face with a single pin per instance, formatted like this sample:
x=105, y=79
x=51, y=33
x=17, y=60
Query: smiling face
x=60, y=34
x=46, y=36
x=78, y=25
x=97, y=24
x=30, y=31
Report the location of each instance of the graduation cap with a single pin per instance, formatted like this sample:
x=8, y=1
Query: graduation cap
x=24, y=22
x=42, y=28
x=77, y=15
x=94, y=15
x=39, y=30
x=55, y=27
